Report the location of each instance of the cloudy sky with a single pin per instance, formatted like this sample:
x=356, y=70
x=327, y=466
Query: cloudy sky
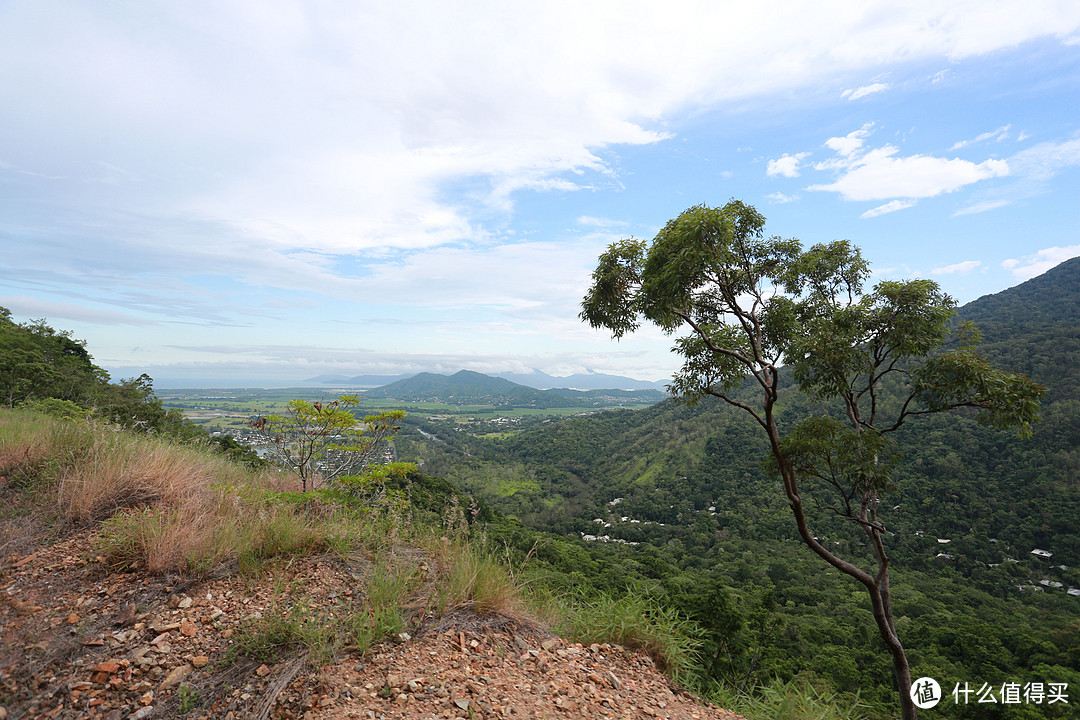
x=245, y=192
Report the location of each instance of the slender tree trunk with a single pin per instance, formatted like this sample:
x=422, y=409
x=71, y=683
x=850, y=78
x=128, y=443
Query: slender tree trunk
x=876, y=585
x=887, y=629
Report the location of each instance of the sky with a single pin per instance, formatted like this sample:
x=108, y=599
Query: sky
x=257, y=192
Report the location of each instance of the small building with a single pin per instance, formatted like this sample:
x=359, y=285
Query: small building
x=1042, y=554
x=1075, y=592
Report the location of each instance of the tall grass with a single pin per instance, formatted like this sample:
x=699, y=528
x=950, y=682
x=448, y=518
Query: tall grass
x=121, y=470
x=800, y=698
x=634, y=621
x=35, y=450
x=468, y=575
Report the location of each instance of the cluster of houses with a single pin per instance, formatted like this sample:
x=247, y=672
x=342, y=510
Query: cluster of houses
x=1038, y=553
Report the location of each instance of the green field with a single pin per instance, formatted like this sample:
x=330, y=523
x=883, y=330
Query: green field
x=232, y=408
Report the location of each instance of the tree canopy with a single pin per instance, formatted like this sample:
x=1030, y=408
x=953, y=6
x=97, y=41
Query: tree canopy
x=49, y=369
x=753, y=304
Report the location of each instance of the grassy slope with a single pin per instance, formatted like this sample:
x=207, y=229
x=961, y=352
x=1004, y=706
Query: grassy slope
x=158, y=509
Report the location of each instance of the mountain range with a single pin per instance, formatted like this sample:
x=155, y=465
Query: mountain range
x=536, y=379
x=466, y=387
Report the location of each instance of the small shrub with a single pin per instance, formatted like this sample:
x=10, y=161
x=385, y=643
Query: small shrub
x=189, y=698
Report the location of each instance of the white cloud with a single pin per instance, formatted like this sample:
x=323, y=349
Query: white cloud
x=787, y=166
x=344, y=126
x=32, y=307
x=780, y=198
x=891, y=206
x=600, y=222
x=865, y=90
x=1032, y=170
x=980, y=207
x=960, y=268
x=878, y=175
x=1041, y=162
x=996, y=135
x=1033, y=265
x=847, y=145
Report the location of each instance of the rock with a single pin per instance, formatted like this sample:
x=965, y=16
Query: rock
x=147, y=698
x=185, y=603
x=262, y=671
x=72, y=619
x=22, y=607
x=126, y=616
x=143, y=713
x=549, y=643
x=103, y=670
x=174, y=676
x=200, y=661
x=615, y=682
x=188, y=628
x=462, y=703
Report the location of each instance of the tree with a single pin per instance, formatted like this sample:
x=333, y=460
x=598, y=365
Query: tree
x=873, y=358
x=37, y=361
x=322, y=441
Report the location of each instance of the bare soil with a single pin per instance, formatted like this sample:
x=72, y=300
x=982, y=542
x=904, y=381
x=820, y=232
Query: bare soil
x=81, y=640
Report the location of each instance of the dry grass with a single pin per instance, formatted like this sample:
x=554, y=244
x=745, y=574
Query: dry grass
x=169, y=507
x=468, y=576
x=121, y=470
x=36, y=449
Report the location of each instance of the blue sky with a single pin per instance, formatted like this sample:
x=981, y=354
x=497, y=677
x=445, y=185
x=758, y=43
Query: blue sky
x=254, y=193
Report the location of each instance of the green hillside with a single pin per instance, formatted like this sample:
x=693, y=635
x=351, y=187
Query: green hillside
x=466, y=387
x=972, y=602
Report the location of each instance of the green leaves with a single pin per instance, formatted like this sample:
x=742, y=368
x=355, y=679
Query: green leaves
x=705, y=368
x=320, y=441
x=855, y=462
x=612, y=301
x=963, y=379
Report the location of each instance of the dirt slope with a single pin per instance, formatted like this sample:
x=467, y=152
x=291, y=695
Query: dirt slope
x=80, y=641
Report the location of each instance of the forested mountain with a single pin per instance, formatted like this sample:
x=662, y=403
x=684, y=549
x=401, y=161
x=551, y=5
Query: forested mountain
x=466, y=387
x=717, y=540
x=537, y=379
